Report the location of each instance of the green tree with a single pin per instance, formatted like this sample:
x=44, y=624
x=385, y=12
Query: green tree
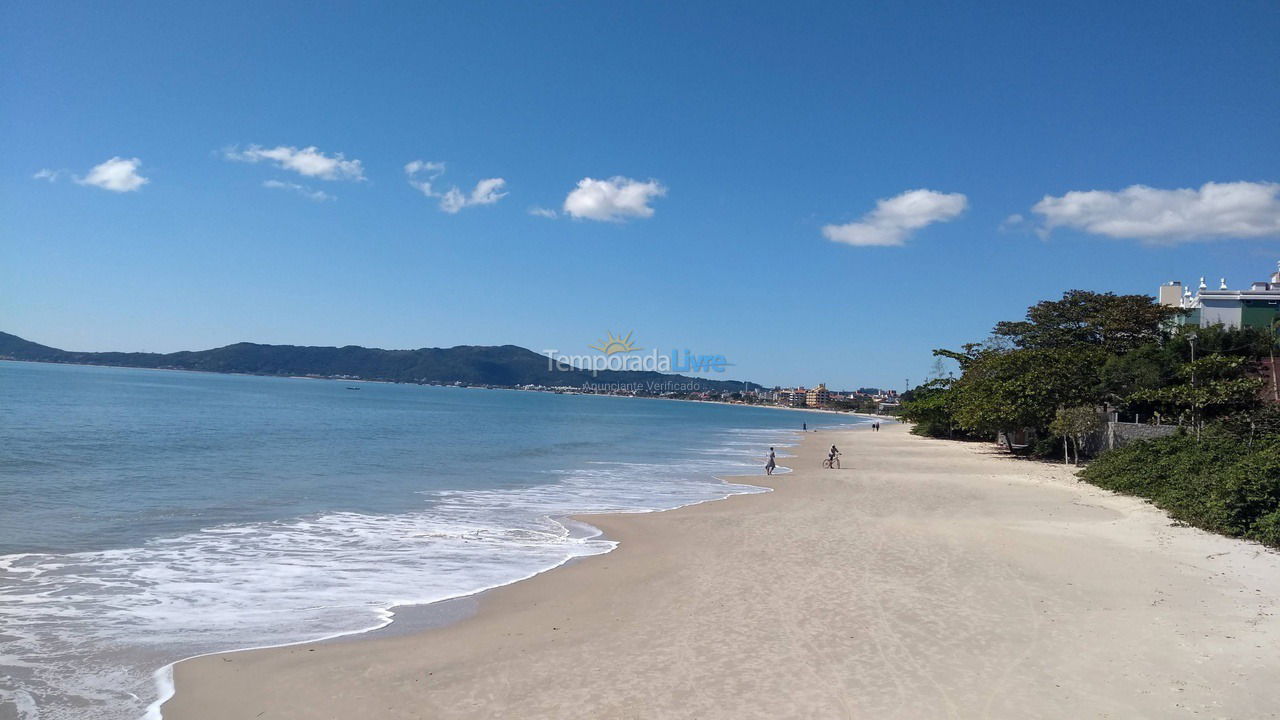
x=970, y=353
x=1244, y=342
x=1117, y=323
x=1002, y=392
x=1074, y=426
x=1210, y=387
x=928, y=406
x=1148, y=367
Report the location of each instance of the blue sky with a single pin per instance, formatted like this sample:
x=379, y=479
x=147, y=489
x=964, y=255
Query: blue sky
x=747, y=131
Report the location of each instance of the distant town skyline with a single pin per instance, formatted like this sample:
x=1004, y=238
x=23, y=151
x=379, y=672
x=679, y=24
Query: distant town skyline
x=824, y=192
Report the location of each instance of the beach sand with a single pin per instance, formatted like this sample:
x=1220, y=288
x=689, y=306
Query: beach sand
x=927, y=579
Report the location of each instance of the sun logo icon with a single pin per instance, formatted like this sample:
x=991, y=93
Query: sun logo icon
x=613, y=344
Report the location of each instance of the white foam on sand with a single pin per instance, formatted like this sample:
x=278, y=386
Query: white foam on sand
x=83, y=633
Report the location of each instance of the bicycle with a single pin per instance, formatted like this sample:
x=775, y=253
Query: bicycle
x=831, y=463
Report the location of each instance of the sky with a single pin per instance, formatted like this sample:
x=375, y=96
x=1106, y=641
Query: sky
x=819, y=192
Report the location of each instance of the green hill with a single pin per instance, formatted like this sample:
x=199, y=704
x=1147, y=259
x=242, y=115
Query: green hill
x=502, y=365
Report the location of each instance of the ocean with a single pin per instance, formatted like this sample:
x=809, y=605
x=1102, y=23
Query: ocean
x=147, y=516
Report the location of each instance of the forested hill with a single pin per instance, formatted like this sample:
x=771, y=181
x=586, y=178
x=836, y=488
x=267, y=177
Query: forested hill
x=504, y=365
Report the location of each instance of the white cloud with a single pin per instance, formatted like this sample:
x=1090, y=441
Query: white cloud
x=487, y=192
x=543, y=212
x=308, y=161
x=1013, y=222
x=895, y=218
x=434, y=169
x=47, y=174
x=1152, y=215
x=116, y=175
x=303, y=190
x=422, y=174
x=613, y=200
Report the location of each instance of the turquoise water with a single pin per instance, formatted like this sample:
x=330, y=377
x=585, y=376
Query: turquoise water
x=147, y=516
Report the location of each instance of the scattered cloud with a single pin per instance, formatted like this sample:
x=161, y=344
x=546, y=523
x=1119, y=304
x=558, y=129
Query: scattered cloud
x=614, y=200
x=1013, y=222
x=543, y=212
x=1155, y=216
x=117, y=175
x=303, y=190
x=308, y=161
x=486, y=192
x=422, y=175
x=431, y=169
x=48, y=175
x=896, y=218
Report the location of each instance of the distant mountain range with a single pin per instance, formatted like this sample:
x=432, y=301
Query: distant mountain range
x=501, y=365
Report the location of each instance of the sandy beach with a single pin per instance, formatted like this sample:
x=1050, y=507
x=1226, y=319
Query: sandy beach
x=926, y=579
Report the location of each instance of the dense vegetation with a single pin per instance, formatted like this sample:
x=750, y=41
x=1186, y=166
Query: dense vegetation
x=501, y=366
x=1093, y=351
x=1052, y=378
x=1221, y=481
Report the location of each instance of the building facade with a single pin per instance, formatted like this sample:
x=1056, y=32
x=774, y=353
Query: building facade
x=818, y=397
x=1256, y=307
x=794, y=397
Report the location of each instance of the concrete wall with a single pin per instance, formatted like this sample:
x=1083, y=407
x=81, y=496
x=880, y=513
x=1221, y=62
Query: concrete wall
x=1220, y=312
x=1119, y=434
x=1171, y=294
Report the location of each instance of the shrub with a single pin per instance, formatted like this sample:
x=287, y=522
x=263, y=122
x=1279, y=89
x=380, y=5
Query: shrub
x=1220, y=483
x=1267, y=529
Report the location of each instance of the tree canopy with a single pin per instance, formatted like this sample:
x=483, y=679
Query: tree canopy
x=1085, y=351
x=1116, y=323
x=1024, y=388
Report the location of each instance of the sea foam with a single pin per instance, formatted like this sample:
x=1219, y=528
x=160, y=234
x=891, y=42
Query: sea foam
x=84, y=633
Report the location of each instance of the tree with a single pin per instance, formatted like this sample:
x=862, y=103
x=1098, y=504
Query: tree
x=1002, y=392
x=929, y=407
x=970, y=353
x=1147, y=368
x=1211, y=386
x=1246, y=342
x=1075, y=425
x=1116, y=323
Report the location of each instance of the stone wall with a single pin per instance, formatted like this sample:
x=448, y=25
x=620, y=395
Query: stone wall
x=1119, y=434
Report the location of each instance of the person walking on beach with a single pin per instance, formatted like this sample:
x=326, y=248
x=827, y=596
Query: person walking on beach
x=804, y=427
x=770, y=464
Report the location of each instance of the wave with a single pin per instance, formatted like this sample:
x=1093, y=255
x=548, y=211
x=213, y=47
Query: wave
x=81, y=634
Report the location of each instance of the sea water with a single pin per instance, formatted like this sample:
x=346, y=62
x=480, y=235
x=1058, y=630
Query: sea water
x=148, y=516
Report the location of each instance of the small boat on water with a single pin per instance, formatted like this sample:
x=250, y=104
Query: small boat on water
x=352, y=388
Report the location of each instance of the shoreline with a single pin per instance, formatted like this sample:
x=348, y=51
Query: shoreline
x=456, y=387
x=164, y=676
x=333, y=572
x=1041, y=596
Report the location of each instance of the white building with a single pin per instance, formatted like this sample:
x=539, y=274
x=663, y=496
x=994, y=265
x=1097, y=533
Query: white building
x=1258, y=306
